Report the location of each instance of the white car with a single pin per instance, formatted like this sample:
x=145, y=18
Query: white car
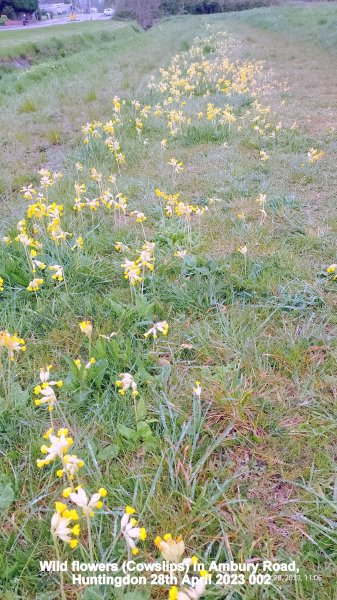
x=108, y=12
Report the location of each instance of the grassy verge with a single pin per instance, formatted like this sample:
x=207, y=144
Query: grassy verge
x=244, y=468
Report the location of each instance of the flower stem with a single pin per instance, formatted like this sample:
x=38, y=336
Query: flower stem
x=63, y=595
x=91, y=552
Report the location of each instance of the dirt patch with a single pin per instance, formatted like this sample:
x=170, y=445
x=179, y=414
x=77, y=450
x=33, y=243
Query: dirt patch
x=20, y=63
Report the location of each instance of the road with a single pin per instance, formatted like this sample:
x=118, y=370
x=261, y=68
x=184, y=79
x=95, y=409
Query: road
x=56, y=21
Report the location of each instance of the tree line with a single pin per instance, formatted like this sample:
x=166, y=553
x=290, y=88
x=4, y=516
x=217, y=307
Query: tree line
x=146, y=11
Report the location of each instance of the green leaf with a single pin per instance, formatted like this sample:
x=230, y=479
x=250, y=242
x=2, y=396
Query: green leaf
x=127, y=432
x=90, y=594
x=141, y=410
x=19, y=397
x=6, y=496
x=108, y=452
x=144, y=430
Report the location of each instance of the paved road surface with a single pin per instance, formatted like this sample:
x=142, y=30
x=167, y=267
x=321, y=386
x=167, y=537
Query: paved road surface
x=56, y=21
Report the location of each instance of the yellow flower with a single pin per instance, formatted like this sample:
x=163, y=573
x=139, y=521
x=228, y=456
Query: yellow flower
x=197, y=389
x=243, y=250
x=140, y=217
x=46, y=389
x=131, y=272
x=131, y=532
x=171, y=550
x=60, y=525
x=314, y=155
x=34, y=285
x=177, y=167
x=12, y=343
x=331, y=269
x=130, y=510
x=58, y=272
x=76, y=529
x=1, y=284
x=173, y=593
x=125, y=383
x=79, y=243
x=86, y=328
x=59, y=445
x=81, y=499
x=161, y=326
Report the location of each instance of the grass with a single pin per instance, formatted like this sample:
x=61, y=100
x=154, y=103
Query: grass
x=31, y=43
x=247, y=471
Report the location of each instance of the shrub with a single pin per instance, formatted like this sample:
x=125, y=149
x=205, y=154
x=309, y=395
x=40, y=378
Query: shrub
x=27, y=106
x=9, y=12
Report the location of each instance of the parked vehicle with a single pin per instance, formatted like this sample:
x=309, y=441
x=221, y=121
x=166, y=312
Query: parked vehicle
x=108, y=12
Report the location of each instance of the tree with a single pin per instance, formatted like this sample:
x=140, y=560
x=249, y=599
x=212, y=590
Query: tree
x=146, y=10
x=143, y=10
x=18, y=6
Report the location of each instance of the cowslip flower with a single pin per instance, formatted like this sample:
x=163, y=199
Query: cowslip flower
x=58, y=272
x=197, y=390
x=71, y=466
x=243, y=250
x=177, y=167
x=59, y=445
x=1, y=284
x=332, y=271
x=86, y=328
x=314, y=155
x=131, y=272
x=125, y=383
x=130, y=531
x=120, y=247
x=79, y=243
x=161, y=326
x=171, y=550
x=263, y=156
x=60, y=524
x=140, y=217
x=146, y=257
x=37, y=263
x=34, y=285
x=12, y=343
x=180, y=253
x=81, y=500
x=45, y=389
x=96, y=175
x=89, y=364
x=28, y=191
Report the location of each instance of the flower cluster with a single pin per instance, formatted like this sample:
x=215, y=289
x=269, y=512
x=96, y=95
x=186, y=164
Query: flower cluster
x=134, y=270
x=130, y=530
x=126, y=382
x=314, y=155
x=161, y=327
x=60, y=526
x=45, y=389
x=12, y=343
